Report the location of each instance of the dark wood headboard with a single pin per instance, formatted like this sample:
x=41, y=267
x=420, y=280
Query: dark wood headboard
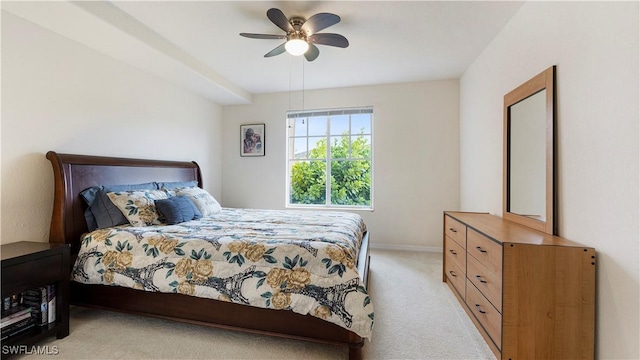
x=75, y=173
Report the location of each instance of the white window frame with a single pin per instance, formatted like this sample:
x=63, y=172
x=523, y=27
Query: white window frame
x=328, y=112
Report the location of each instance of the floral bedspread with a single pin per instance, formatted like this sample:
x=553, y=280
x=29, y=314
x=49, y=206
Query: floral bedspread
x=294, y=260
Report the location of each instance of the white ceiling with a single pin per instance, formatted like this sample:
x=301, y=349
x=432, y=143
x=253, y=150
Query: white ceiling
x=195, y=44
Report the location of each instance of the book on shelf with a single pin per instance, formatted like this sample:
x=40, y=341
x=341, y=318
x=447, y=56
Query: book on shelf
x=12, y=312
x=38, y=298
x=18, y=328
x=15, y=315
x=51, y=305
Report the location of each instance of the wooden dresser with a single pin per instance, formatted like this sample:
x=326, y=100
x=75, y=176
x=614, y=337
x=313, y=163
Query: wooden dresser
x=531, y=295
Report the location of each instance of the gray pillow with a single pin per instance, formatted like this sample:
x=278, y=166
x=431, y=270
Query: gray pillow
x=89, y=196
x=177, y=184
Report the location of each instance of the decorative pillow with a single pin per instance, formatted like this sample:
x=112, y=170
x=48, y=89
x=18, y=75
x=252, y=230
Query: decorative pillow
x=90, y=195
x=138, y=206
x=177, y=209
x=177, y=184
x=101, y=212
x=200, y=197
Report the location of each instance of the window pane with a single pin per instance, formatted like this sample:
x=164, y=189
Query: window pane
x=300, y=148
x=351, y=182
x=300, y=127
x=345, y=141
x=318, y=126
x=308, y=182
x=361, y=146
x=317, y=148
x=340, y=147
x=339, y=124
x=361, y=124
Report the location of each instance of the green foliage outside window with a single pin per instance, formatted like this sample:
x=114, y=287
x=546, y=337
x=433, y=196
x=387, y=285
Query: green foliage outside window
x=350, y=179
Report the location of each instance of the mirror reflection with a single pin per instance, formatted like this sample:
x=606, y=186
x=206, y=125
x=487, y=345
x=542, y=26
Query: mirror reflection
x=527, y=166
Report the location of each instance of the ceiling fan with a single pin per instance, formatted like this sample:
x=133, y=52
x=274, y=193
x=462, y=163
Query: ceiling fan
x=301, y=34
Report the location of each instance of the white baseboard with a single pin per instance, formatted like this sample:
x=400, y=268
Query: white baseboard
x=406, y=248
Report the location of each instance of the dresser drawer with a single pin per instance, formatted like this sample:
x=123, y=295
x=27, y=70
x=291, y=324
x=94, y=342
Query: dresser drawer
x=37, y=272
x=487, y=315
x=488, y=282
x=455, y=276
x=486, y=250
x=456, y=254
x=455, y=230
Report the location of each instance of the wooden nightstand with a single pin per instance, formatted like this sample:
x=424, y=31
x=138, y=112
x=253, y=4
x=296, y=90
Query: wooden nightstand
x=28, y=265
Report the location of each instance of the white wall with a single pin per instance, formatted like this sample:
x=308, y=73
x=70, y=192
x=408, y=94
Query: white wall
x=415, y=156
x=62, y=96
x=595, y=47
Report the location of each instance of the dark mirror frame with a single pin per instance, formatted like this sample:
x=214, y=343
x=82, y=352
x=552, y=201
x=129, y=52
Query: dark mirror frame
x=543, y=81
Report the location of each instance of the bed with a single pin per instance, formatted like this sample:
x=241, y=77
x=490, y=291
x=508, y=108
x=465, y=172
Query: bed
x=75, y=173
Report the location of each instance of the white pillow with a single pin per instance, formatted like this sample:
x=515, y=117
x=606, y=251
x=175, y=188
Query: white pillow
x=138, y=206
x=206, y=203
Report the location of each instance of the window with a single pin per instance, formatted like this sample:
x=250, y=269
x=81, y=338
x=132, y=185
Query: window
x=329, y=158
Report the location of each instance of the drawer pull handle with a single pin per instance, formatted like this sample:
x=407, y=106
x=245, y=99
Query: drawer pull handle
x=453, y=230
x=452, y=273
x=480, y=310
x=480, y=278
x=481, y=249
x=453, y=252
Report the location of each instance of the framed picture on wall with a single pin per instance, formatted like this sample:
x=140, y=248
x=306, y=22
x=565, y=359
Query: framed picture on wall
x=252, y=140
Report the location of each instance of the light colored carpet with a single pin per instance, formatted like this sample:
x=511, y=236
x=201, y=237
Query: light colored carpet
x=417, y=317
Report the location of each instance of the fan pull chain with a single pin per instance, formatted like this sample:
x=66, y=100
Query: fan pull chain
x=303, y=90
x=289, y=82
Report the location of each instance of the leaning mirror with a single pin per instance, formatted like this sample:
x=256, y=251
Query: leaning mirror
x=529, y=121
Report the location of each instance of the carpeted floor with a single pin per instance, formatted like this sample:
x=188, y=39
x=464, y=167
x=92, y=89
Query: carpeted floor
x=417, y=317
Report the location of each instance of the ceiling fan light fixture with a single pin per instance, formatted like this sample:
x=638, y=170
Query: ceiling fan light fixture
x=296, y=47
x=302, y=35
